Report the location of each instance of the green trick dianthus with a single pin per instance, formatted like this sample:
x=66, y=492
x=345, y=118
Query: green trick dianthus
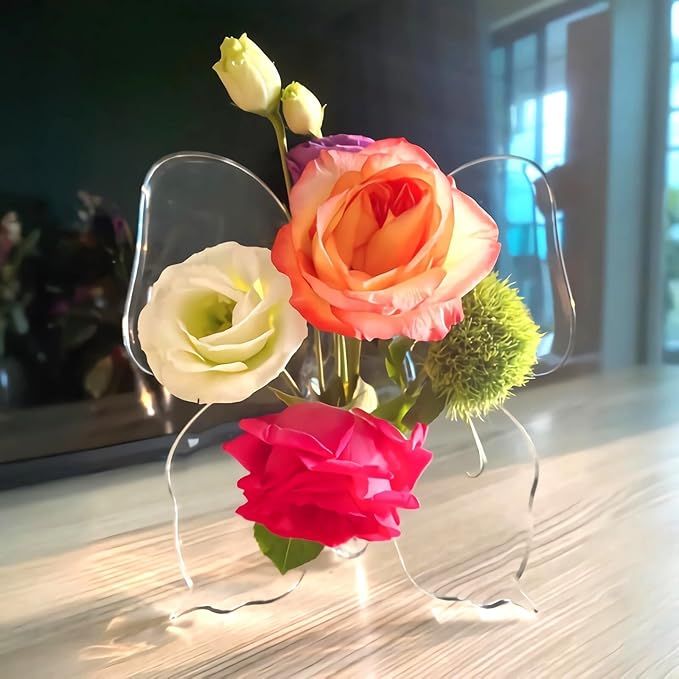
x=489, y=353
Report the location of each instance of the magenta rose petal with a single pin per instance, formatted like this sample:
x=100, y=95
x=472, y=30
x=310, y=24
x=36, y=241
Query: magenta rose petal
x=350, y=468
x=384, y=427
x=380, y=529
x=339, y=502
x=248, y=451
x=329, y=425
x=272, y=435
x=418, y=435
x=249, y=484
x=305, y=523
x=309, y=485
x=258, y=427
x=281, y=463
x=407, y=470
x=395, y=498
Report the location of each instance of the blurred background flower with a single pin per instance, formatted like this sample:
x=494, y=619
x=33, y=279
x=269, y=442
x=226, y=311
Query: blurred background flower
x=15, y=296
x=61, y=305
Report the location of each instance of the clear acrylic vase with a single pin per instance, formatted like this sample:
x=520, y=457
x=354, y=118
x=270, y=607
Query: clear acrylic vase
x=471, y=538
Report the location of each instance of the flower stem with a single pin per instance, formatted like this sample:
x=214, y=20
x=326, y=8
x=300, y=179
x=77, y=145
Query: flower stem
x=279, y=128
x=318, y=349
x=354, y=357
x=343, y=365
x=336, y=352
x=291, y=382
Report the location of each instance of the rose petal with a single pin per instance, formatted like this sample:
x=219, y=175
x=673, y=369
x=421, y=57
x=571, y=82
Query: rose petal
x=318, y=312
x=248, y=451
x=394, y=498
x=397, y=150
x=399, y=239
x=318, y=180
x=273, y=435
x=474, y=248
x=425, y=323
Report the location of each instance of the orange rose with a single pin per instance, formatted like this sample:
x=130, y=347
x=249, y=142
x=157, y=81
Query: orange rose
x=382, y=244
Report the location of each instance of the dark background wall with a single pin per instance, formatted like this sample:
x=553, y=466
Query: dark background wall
x=95, y=92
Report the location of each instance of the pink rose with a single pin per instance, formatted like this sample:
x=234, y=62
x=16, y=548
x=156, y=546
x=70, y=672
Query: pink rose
x=382, y=243
x=321, y=473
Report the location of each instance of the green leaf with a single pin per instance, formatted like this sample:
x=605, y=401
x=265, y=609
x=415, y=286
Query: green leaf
x=396, y=409
x=288, y=399
x=394, y=355
x=426, y=408
x=285, y=553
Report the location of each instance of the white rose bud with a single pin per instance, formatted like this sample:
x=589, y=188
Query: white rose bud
x=219, y=326
x=302, y=110
x=250, y=77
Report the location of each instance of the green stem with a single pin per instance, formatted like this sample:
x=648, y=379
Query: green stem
x=279, y=128
x=288, y=378
x=318, y=349
x=341, y=369
x=355, y=349
x=343, y=365
x=336, y=352
x=354, y=361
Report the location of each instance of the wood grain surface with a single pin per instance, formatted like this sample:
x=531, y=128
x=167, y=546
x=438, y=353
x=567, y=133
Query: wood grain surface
x=89, y=579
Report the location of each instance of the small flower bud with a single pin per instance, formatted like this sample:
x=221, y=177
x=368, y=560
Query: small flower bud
x=302, y=110
x=250, y=77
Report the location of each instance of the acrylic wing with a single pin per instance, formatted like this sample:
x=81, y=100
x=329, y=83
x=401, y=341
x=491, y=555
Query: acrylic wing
x=191, y=201
x=471, y=539
x=516, y=192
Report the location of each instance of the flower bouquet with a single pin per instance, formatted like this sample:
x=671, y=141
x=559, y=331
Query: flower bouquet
x=378, y=247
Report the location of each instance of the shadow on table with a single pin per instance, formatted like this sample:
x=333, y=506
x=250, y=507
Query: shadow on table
x=303, y=646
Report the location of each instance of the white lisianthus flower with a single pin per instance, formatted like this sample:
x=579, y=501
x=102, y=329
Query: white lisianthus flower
x=219, y=326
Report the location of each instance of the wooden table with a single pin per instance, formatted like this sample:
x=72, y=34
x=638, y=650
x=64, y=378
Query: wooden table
x=89, y=578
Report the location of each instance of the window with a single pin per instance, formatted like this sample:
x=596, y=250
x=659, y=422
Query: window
x=671, y=249
x=529, y=90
